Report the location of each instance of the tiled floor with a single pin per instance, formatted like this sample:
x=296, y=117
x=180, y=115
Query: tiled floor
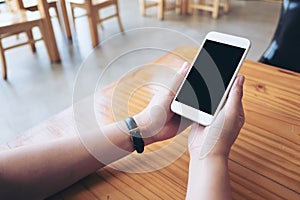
x=37, y=89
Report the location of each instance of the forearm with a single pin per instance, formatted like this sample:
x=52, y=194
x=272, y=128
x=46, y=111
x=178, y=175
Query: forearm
x=37, y=171
x=209, y=179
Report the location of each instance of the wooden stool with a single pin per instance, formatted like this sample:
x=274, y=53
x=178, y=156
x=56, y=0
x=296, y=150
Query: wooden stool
x=162, y=5
x=92, y=8
x=210, y=5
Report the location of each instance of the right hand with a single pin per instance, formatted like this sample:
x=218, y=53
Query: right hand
x=217, y=138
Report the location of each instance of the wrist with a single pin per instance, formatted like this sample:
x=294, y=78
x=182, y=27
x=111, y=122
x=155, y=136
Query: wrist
x=212, y=155
x=144, y=125
x=210, y=160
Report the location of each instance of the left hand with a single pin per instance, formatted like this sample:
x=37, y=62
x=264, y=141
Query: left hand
x=157, y=122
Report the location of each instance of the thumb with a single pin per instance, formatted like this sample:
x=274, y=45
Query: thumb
x=168, y=92
x=234, y=106
x=179, y=77
x=234, y=100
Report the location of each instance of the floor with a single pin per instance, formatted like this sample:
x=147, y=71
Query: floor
x=37, y=89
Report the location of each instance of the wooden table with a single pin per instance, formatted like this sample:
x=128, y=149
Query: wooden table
x=264, y=162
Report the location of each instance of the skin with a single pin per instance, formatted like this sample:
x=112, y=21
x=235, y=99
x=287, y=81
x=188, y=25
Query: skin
x=37, y=171
x=54, y=165
x=208, y=174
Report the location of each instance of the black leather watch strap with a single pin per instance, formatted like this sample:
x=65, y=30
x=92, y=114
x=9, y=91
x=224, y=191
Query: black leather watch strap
x=135, y=135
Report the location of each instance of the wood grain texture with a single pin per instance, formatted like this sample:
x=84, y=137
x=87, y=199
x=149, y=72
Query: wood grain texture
x=264, y=162
x=269, y=142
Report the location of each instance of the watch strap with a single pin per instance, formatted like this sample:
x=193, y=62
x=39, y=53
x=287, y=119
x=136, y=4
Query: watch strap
x=135, y=135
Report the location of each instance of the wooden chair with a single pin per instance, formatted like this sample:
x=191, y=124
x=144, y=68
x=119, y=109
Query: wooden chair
x=13, y=23
x=92, y=8
x=210, y=5
x=32, y=5
x=162, y=6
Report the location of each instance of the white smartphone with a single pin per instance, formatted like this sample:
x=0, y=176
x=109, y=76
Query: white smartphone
x=205, y=87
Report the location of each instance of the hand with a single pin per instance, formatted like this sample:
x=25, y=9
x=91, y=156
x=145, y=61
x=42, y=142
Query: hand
x=157, y=122
x=218, y=138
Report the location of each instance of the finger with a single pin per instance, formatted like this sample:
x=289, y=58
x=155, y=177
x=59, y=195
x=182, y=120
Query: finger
x=179, y=77
x=168, y=93
x=234, y=100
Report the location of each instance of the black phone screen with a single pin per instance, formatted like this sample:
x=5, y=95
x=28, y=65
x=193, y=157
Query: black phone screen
x=210, y=76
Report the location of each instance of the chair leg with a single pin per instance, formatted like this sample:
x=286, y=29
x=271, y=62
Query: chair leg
x=143, y=7
x=178, y=6
x=50, y=42
x=73, y=14
x=57, y=15
x=191, y=9
x=160, y=13
x=226, y=6
x=118, y=17
x=45, y=39
x=120, y=23
x=92, y=19
x=216, y=6
x=47, y=29
x=63, y=18
x=3, y=62
x=184, y=7
x=30, y=38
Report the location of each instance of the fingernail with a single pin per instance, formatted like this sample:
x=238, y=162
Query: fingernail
x=184, y=67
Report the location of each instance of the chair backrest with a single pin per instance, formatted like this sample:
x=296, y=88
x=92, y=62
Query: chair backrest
x=22, y=4
x=29, y=3
x=284, y=48
x=13, y=5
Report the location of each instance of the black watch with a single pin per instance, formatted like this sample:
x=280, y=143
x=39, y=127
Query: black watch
x=135, y=135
